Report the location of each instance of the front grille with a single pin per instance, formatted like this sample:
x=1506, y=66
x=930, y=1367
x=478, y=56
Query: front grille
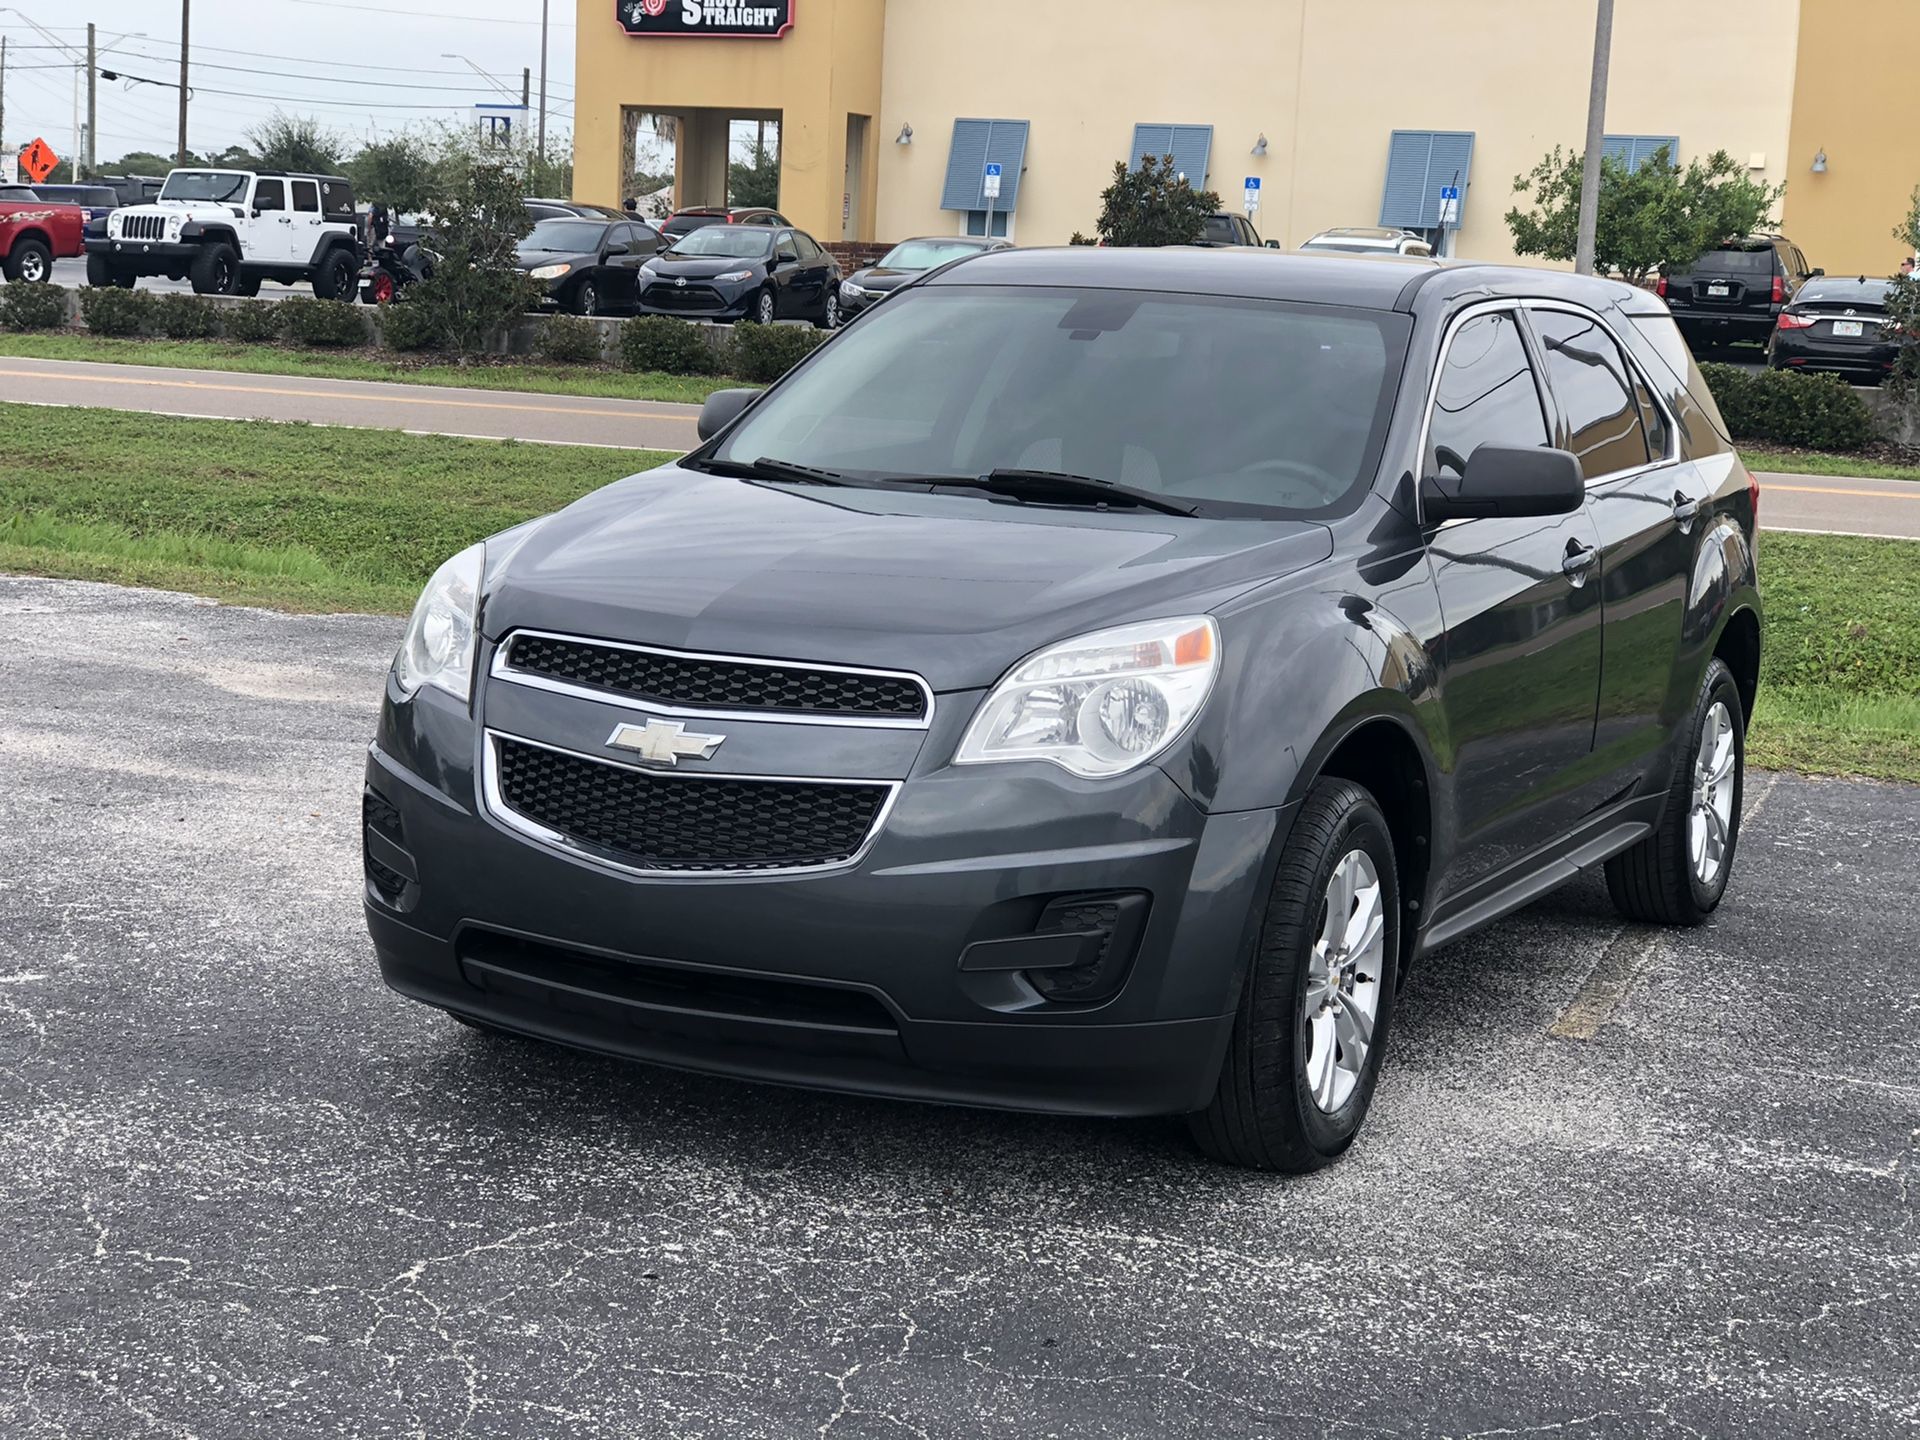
x=142, y=227
x=697, y=682
x=686, y=822
x=689, y=297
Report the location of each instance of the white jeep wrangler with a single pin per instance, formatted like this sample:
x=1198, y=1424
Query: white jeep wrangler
x=227, y=230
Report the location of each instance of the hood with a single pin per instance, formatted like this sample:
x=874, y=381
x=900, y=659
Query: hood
x=184, y=209
x=701, y=267
x=880, y=277
x=952, y=586
x=532, y=259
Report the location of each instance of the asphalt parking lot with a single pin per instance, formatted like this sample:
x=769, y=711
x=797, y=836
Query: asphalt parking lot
x=1615, y=1183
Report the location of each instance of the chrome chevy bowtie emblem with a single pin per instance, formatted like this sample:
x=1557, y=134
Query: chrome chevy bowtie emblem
x=664, y=742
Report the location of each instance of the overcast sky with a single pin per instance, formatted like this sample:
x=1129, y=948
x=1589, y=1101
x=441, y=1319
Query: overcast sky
x=361, y=67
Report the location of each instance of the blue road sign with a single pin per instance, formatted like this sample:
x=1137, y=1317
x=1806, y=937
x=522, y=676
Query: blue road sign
x=993, y=169
x=1253, y=182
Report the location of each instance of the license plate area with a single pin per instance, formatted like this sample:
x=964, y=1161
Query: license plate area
x=1719, y=289
x=1849, y=329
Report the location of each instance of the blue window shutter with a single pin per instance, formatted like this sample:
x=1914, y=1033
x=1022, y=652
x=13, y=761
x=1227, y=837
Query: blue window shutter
x=1419, y=162
x=1190, y=145
x=1633, y=151
x=975, y=142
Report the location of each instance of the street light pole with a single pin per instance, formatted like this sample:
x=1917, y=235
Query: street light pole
x=541, y=141
x=93, y=109
x=1596, y=139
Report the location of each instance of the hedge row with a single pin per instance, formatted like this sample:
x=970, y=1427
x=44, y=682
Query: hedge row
x=1787, y=407
x=759, y=353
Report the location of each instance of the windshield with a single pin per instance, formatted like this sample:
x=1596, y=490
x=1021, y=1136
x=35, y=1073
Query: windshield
x=565, y=235
x=1843, y=292
x=740, y=242
x=1349, y=247
x=220, y=186
x=925, y=254
x=1220, y=402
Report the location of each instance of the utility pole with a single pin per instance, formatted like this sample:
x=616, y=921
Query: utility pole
x=92, y=105
x=540, y=141
x=1596, y=139
x=181, y=158
x=3, y=94
x=524, y=83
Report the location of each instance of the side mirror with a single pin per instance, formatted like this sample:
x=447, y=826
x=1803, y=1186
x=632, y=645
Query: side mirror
x=1273, y=244
x=723, y=407
x=618, y=247
x=1815, y=273
x=1506, y=480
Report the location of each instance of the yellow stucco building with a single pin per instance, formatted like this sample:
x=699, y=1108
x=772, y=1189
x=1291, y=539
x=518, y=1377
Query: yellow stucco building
x=1346, y=113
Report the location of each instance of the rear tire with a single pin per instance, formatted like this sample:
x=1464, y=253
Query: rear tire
x=1311, y=1030
x=336, y=275
x=1678, y=874
x=30, y=262
x=214, y=269
x=830, y=312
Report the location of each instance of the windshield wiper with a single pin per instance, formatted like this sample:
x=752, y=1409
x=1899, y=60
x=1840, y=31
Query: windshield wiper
x=765, y=468
x=1060, y=487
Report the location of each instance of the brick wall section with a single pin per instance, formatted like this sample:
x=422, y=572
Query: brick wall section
x=855, y=254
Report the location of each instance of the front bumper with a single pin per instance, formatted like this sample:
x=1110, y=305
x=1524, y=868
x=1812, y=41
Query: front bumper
x=849, y=980
x=144, y=257
x=699, y=300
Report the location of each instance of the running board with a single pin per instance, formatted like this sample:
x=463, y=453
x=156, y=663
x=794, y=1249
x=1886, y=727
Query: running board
x=1534, y=884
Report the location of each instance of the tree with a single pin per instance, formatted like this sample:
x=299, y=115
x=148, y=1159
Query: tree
x=297, y=142
x=753, y=181
x=398, y=171
x=1903, y=308
x=1655, y=217
x=476, y=290
x=1153, y=205
x=144, y=162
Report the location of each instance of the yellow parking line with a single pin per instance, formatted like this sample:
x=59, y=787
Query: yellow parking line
x=1825, y=490
x=97, y=379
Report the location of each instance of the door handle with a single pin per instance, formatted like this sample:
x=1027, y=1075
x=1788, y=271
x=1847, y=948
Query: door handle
x=1578, y=560
x=1684, y=509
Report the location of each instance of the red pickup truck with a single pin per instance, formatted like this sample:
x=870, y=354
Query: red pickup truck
x=34, y=233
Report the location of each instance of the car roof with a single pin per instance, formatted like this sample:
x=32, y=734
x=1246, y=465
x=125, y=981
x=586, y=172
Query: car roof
x=1379, y=282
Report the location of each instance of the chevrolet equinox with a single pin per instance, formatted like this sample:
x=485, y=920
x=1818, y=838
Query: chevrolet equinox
x=1087, y=683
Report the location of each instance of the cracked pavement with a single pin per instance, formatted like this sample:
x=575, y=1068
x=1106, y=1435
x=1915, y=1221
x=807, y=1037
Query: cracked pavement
x=245, y=1191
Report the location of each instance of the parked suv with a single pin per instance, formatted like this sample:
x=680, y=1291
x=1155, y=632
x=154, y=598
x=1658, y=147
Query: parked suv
x=1087, y=684
x=1737, y=291
x=94, y=200
x=228, y=230
x=1226, y=229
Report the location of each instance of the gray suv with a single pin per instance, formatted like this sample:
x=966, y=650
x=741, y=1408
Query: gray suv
x=1087, y=684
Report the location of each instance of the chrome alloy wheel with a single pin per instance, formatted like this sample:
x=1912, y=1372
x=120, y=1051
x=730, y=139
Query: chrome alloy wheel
x=1710, y=816
x=1344, y=976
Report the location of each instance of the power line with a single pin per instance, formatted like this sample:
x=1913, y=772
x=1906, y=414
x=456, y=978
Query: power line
x=426, y=14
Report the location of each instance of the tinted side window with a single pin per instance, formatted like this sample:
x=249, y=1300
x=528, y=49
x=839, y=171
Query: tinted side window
x=645, y=239
x=306, y=196
x=269, y=195
x=1486, y=394
x=1652, y=418
x=1589, y=379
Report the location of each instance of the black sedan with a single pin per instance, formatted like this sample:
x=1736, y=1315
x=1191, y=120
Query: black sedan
x=743, y=272
x=908, y=260
x=588, y=265
x=1836, y=323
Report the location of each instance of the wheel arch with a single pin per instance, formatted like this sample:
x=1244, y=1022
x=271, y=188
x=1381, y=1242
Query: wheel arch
x=29, y=232
x=1738, y=646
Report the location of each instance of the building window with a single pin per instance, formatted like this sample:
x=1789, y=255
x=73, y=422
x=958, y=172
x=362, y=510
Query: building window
x=1190, y=146
x=1633, y=151
x=976, y=224
x=976, y=144
x=1419, y=164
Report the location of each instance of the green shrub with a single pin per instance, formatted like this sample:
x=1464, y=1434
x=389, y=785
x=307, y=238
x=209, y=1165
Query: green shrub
x=185, y=317
x=763, y=353
x=251, y=320
x=1786, y=407
x=109, y=310
x=322, y=322
x=660, y=342
x=570, y=339
x=407, y=326
x=32, y=307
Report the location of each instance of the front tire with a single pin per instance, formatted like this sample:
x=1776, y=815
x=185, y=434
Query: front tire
x=30, y=263
x=248, y=285
x=586, y=298
x=1678, y=874
x=763, y=309
x=1313, y=1019
x=214, y=270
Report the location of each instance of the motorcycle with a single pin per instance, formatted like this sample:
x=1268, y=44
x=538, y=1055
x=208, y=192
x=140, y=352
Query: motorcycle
x=395, y=259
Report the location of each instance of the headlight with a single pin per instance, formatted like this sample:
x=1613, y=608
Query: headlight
x=438, y=648
x=851, y=291
x=174, y=225
x=734, y=275
x=550, y=272
x=1100, y=704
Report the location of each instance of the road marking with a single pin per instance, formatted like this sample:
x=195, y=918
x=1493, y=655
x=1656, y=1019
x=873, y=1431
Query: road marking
x=349, y=395
x=1753, y=805
x=1620, y=965
x=1835, y=490
x=1814, y=530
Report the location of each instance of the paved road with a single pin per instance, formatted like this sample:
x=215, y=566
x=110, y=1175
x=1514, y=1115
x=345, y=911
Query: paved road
x=421, y=409
x=245, y=1191
x=72, y=272
x=1846, y=505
